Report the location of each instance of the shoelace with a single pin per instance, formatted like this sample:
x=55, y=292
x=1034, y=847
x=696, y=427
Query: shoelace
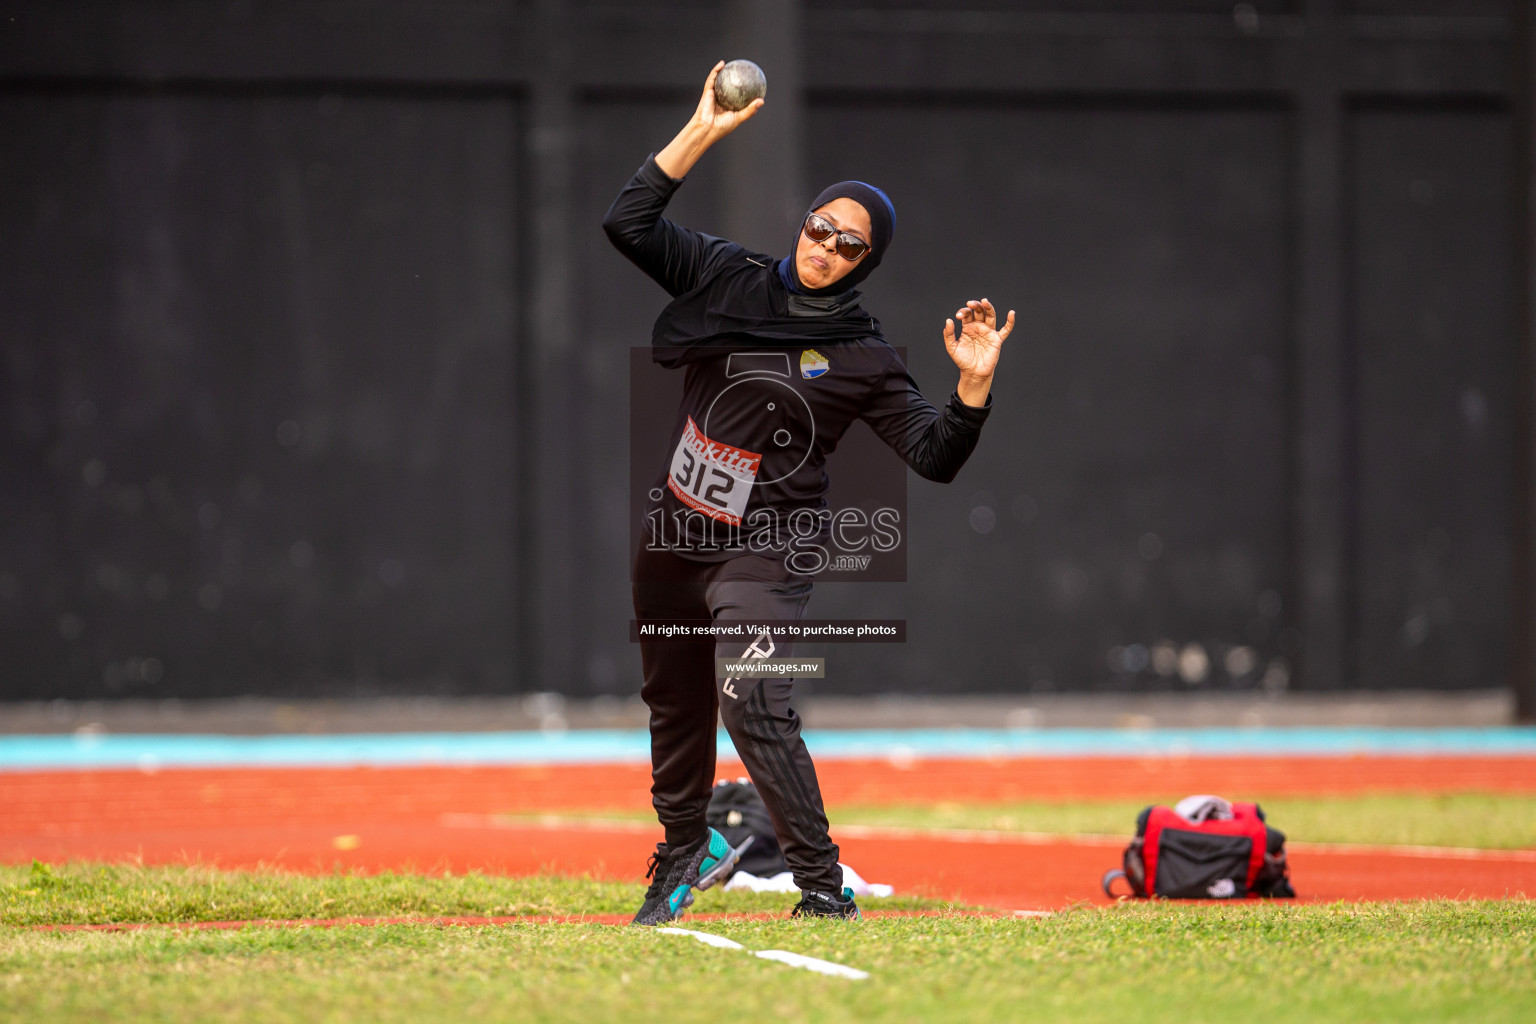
x=657, y=876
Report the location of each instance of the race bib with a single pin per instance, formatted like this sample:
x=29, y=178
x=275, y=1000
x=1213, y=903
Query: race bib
x=714, y=478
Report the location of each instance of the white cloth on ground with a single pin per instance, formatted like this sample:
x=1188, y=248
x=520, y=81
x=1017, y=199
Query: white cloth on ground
x=745, y=881
x=1203, y=807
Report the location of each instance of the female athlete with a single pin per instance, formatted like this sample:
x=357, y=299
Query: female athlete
x=778, y=359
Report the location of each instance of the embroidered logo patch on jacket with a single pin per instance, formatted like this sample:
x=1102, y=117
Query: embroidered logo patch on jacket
x=812, y=364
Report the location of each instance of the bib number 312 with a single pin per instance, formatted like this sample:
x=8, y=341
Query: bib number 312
x=714, y=478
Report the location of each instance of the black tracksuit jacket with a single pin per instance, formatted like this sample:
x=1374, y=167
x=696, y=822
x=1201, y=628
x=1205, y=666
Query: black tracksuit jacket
x=788, y=405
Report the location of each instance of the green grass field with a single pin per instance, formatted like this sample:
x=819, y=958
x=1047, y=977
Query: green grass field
x=1403, y=962
x=1427, y=961
x=102, y=894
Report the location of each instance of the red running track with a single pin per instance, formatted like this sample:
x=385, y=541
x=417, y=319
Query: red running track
x=62, y=801
x=433, y=819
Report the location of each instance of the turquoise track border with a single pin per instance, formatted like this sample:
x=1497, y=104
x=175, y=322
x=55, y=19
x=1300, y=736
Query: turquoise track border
x=632, y=746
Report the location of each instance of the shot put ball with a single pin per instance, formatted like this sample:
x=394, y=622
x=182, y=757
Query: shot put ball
x=739, y=83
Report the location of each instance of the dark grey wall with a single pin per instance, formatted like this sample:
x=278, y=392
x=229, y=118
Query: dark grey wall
x=259, y=394
x=1431, y=246
x=315, y=369
x=1143, y=411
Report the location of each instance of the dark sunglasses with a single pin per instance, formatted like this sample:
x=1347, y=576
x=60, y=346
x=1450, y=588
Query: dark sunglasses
x=849, y=247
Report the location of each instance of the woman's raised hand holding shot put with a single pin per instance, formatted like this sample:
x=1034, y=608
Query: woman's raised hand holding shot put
x=709, y=124
x=975, y=344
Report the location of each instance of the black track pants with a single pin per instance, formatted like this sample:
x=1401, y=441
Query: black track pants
x=684, y=696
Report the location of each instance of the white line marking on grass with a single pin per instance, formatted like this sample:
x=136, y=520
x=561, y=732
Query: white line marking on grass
x=809, y=963
x=718, y=941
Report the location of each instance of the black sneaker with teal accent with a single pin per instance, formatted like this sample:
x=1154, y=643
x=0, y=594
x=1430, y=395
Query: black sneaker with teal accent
x=824, y=904
x=674, y=874
x=656, y=869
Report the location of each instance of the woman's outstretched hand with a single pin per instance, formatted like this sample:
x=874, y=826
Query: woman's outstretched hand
x=710, y=123
x=975, y=348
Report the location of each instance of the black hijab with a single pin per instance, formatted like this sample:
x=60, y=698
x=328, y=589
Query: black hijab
x=882, y=225
x=774, y=307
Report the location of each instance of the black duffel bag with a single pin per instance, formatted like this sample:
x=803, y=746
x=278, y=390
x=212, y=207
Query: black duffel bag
x=736, y=812
x=1214, y=849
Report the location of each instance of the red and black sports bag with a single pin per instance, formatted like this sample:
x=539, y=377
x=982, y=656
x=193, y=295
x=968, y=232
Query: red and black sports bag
x=1214, y=849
